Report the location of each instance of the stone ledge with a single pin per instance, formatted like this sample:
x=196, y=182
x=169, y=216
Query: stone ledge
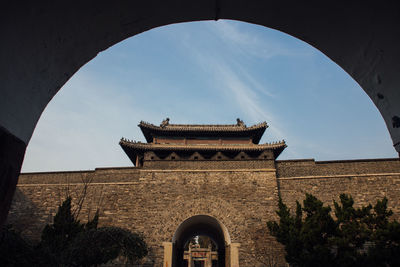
x=339, y=176
x=69, y=184
x=211, y=170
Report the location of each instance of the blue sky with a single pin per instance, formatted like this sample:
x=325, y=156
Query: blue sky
x=207, y=72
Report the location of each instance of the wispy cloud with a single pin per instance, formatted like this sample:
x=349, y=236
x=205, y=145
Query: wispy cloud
x=249, y=43
x=238, y=87
x=254, y=83
x=232, y=80
x=82, y=125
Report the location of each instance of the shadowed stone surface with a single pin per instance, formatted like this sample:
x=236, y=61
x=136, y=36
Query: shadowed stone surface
x=156, y=202
x=45, y=42
x=12, y=152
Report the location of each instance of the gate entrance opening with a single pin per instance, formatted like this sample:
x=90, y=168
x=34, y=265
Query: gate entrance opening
x=185, y=248
x=200, y=251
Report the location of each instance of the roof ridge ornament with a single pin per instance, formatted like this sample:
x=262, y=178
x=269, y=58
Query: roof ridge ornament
x=164, y=123
x=240, y=123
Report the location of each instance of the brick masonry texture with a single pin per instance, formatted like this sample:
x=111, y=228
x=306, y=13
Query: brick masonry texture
x=366, y=180
x=242, y=195
x=294, y=168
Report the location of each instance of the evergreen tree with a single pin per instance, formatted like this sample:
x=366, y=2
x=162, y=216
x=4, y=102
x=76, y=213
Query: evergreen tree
x=68, y=242
x=355, y=237
x=385, y=237
x=14, y=250
x=57, y=237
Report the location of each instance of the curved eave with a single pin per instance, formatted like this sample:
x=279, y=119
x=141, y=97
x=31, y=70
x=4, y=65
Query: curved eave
x=132, y=149
x=278, y=151
x=255, y=131
x=131, y=153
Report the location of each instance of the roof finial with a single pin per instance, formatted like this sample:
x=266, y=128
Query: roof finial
x=240, y=123
x=164, y=123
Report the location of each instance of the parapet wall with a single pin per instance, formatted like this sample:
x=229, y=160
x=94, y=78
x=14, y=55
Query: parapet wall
x=156, y=202
x=366, y=180
x=99, y=175
x=242, y=195
x=310, y=167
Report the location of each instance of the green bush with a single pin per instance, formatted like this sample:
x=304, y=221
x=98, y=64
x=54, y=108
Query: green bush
x=68, y=242
x=354, y=237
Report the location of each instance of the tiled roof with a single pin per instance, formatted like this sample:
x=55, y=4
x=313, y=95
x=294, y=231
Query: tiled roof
x=132, y=149
x=232, y=130
x=199, y=147
x=203, y=127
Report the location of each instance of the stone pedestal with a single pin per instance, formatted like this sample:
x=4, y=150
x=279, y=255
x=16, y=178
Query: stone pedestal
x=232, y=252
x=167, y=254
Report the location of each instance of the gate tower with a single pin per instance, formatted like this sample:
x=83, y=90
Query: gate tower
x=196, y=143
x=209, y=148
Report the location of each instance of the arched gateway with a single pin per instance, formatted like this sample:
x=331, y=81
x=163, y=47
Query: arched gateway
x=227, y=252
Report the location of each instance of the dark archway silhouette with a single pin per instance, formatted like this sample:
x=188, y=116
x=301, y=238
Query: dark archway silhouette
x=199, y=225
x=44, y=43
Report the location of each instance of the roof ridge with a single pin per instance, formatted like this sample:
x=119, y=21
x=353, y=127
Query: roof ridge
x=166, y=125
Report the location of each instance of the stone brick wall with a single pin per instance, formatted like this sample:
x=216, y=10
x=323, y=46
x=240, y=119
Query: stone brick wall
x=366, y=180
x=242, y=195
x=309, y=167
x=156, y=202
x=364, y=189
x=100, y=175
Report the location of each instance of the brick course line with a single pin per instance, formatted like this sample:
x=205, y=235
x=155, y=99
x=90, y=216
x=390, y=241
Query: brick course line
x=69, y=184
x=339, y=176
x=212, y=170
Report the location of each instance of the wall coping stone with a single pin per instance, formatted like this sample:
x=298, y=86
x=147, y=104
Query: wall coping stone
x=339, y=176
x=209, y=170
x=338, y=161
x=82, y=171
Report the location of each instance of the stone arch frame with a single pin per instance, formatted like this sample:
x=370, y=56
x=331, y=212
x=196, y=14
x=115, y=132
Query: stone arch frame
x=214, y=220
x=47, y=42
x=200, y=225
x=213, y=207
x=180, y=210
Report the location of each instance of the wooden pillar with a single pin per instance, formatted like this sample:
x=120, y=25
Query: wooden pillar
x=190, y=260
x=209, y=258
